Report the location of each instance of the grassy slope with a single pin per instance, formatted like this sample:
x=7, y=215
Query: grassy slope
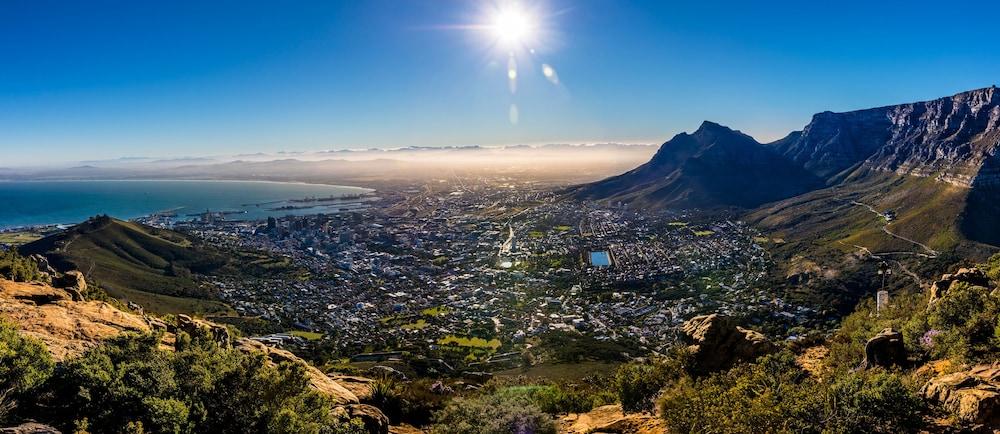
x=148, y=266
x=824, y=228
x=927, y=211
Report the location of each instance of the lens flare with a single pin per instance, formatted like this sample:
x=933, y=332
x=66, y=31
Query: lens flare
x=550, y=73
x=512, y=74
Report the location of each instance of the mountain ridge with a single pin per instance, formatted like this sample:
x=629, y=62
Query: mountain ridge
x=953, y=141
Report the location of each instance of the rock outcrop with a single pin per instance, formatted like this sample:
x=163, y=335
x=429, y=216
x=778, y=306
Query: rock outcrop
x=73, y=282
x=610, y=419
x=29, y=428
x=884, y=349
x=716, y=342
x=219, y=333
x=67, y=327
x=374, y=420
x=973, y=395
x=971, y=276
x=319, y=381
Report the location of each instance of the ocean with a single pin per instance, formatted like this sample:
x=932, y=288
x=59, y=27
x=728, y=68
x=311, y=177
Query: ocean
x=34, y=203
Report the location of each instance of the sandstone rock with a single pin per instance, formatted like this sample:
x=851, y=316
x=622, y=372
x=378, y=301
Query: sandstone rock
x=43, y=264
x=29, y=428
x=375, y=421
x=972, y=276
x=219, y=333
x=972, y=395
x=317, y=379
x=885, y=349
x=610, y=419
x=405, y=429
x=72, y=279
x=716, y=342
x=359, y=386
x=67, y=328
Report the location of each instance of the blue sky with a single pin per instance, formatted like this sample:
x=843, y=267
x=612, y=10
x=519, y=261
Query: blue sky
x=101, y=79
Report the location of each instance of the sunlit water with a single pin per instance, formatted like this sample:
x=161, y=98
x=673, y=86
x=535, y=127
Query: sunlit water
x=66, y=202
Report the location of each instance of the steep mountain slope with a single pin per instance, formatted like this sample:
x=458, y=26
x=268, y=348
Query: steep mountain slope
x=953, y=139
x=150, y=266
x=710, y=168
x=932, y=163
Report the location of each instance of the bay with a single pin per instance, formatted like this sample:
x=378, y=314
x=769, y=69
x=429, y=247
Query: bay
x=34, y=203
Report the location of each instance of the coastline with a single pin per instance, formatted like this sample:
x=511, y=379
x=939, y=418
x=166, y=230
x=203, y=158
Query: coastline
x=352, y=191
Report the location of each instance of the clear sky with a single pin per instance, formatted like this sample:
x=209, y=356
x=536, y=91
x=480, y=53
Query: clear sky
x=98, y=79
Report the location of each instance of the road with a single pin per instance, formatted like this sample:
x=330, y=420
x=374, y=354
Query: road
x=885, y=228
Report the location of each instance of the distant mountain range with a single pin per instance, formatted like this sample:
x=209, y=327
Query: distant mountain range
x=933, y=163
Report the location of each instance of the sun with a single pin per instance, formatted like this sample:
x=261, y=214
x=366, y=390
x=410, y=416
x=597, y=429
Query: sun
x=513, y=27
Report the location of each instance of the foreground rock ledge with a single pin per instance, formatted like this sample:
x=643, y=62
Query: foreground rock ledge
x=67, y=327
x=973, y=395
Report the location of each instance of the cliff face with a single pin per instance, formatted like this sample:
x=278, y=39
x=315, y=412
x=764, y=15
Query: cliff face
x=953, y=139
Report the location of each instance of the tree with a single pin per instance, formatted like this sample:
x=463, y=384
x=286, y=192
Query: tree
x=25, y=363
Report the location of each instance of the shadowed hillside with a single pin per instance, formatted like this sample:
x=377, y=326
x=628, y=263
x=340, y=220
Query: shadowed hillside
x=714, y=167
x=152, y=267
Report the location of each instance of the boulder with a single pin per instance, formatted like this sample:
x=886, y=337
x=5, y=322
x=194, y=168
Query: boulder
x=885, y=349
x=43, y=264
x=29, y=428
x=374, y=420
x=972, y=395
x=72, y=279
x=218, y=333
x=716, y=343
x=317, y=379
x=972, y=276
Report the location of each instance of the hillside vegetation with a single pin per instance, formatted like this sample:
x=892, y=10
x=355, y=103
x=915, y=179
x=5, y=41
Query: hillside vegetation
x=155, y=268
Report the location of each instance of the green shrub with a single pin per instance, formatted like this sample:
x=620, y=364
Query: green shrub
x=130, y=384
x=962, y=325
x=24, y=365
x=847, y=345
x=775, y=395
x=17, y=268
x=492, y=414
x=386, y=394
x=551, y=399
x=638, y=384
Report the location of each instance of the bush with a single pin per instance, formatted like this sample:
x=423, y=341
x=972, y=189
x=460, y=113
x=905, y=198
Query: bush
x=17, y=268
x=24, y=365
x=551, y=399
x=775, y=395
x=962, y=325
x=492, y=414
x=129, y=384
x=847, y=345
x=386, y=395
x=637, y=385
